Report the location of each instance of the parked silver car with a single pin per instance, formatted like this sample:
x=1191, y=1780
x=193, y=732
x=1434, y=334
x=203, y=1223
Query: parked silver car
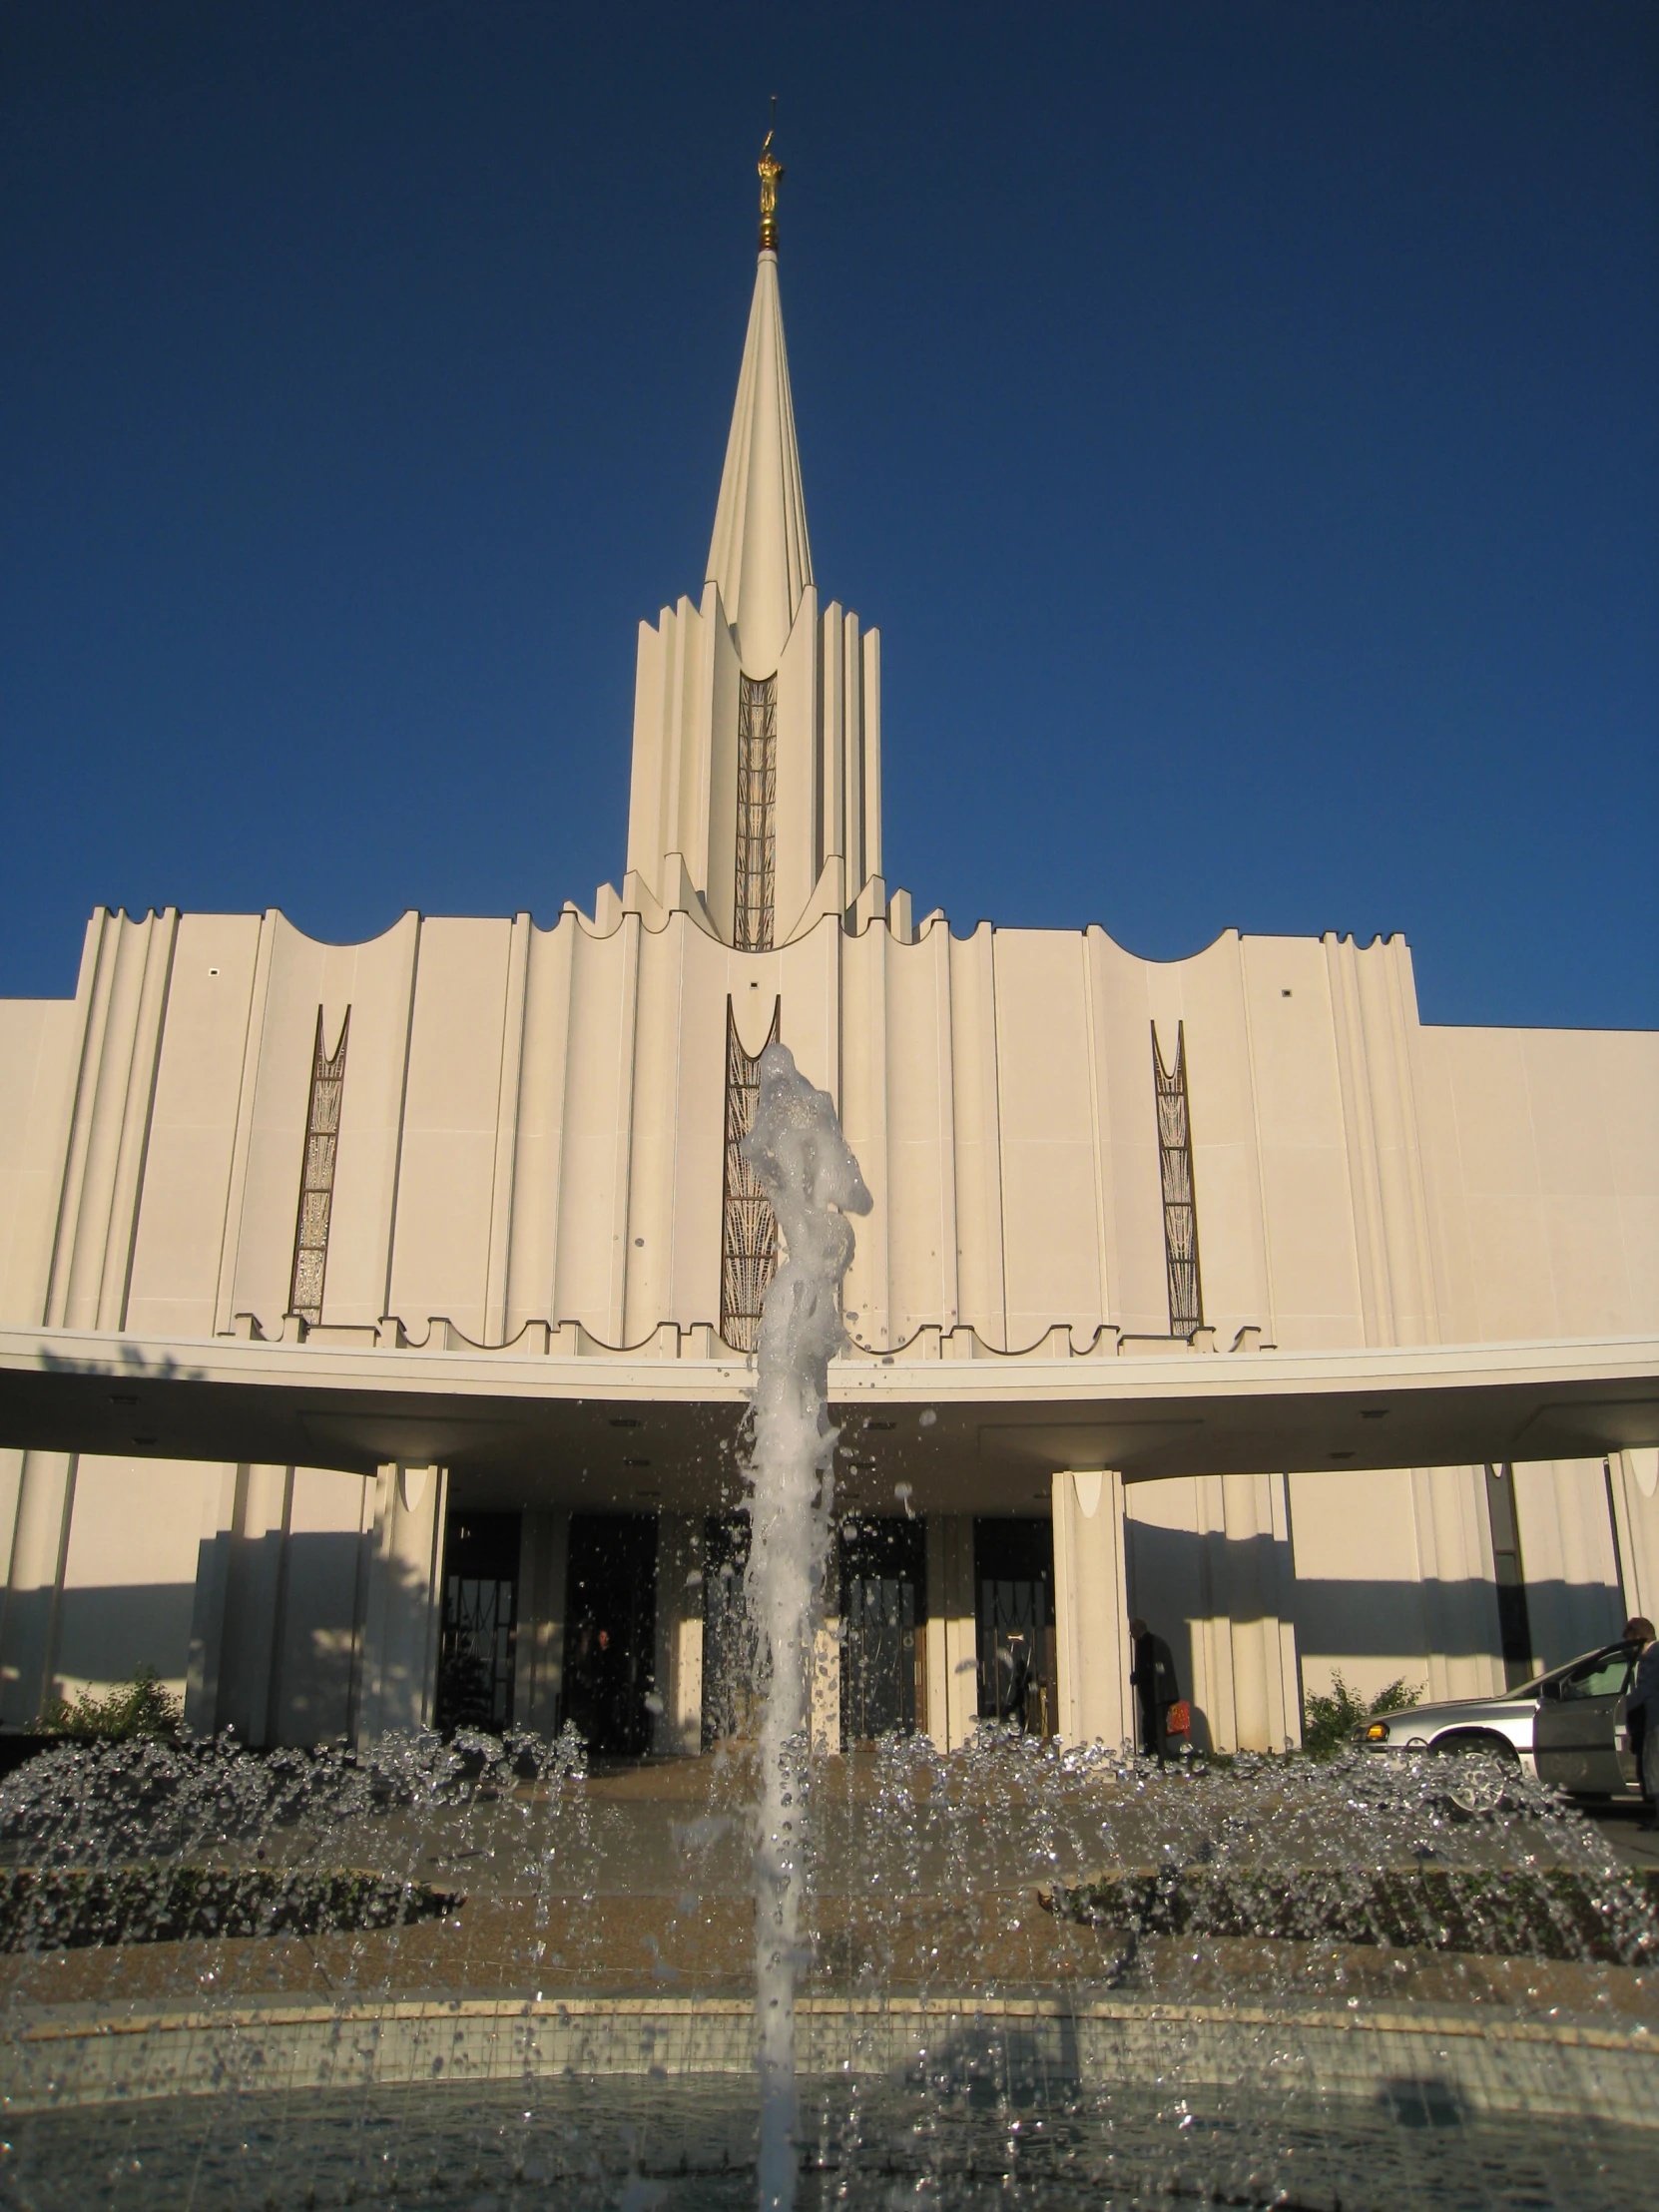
x=1567, y=1726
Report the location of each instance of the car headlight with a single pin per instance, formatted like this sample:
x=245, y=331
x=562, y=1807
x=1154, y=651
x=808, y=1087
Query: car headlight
x=1377, y=1733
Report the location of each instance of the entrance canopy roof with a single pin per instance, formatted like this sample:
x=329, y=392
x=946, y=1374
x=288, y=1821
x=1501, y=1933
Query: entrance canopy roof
x=976, y=1433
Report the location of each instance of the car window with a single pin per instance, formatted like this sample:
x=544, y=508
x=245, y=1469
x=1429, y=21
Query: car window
x=1608, y=1675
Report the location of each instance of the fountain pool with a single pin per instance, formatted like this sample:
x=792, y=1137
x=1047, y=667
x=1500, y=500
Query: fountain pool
x=481, y=1972
x=1068, y=1977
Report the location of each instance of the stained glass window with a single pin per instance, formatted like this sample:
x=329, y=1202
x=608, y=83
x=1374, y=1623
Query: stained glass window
x=749, y=1227
x=1175, y=1162
x=316, y=1176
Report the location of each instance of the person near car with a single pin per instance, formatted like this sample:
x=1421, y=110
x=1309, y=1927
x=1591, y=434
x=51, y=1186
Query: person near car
x=1642, y=1715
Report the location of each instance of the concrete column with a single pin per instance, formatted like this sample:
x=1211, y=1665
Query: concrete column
x=506, y=1132
x=796, y=808
x=204, y=1665
x=1566, y=1529
x=715, y=867
x=1248, y=1614
x=952, y=1670
x=40, y=1544
x=1633, y=1480
x=872, y=751
x=853, y=758
x=1091, y=1609
x=679, y=1726
x=110, y=1120
x=833, y=737
x=1252, y=1697
x=11, y=1493
x=1279, y=1630
x=865, y=1102
x=404, y=1608
x=1213, y=1691
x=253, y=1630
x=826, y=1687
x=977, y=1138
x=1459, y=1586
x=622, y=1155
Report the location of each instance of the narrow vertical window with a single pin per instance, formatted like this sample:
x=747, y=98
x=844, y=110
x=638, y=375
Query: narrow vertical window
x=1175, y=1165
x=316, y=1176
x=1513, y=1620
x=756, y=811
x=749, y=1227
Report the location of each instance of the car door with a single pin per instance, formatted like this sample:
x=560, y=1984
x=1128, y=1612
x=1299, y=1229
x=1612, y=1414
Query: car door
x=1573, y=1738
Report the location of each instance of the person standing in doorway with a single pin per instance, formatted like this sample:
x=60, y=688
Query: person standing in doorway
x=1642, y=1715
x=1153, y=1677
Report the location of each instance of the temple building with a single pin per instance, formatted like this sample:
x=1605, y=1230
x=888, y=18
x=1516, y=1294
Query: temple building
x=375, y=1321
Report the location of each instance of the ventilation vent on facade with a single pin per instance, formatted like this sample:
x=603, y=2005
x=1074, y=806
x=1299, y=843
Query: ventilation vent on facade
x=316, y=1176
x=752, y=907
x=749, y=1227
x=1175, y=1163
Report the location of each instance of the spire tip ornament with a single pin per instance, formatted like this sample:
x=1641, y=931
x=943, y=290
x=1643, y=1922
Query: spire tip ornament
x=770, y=168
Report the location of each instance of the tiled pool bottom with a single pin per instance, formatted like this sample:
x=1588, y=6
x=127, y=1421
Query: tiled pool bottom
x=637, y=2142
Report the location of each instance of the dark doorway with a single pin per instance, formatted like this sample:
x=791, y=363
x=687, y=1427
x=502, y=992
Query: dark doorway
x=476, y=1644
x=731, y=1690
x=1013, y=1581
x=611, y=1629
x=883, y=1589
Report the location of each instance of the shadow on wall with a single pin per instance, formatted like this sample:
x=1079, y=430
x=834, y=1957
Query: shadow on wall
x=1336, y=1621
x=104, y=1635
x=275, y=1634
x=267, y=1643
x=101, y=1634
x=1179, y=1580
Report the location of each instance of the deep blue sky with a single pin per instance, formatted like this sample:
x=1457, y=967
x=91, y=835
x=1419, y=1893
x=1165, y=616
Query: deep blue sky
x=1243, y=422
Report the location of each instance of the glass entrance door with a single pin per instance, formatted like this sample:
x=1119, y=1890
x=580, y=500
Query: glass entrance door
x=733, y=1685
x=1013, y=1571
x=478, y=1639
x=611, y=1630
x=884, y=1581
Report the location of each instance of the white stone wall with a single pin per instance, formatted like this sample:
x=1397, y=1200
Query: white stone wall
x=532, y=1129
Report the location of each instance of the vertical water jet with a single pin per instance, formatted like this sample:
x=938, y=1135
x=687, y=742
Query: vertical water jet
x=813, y=1184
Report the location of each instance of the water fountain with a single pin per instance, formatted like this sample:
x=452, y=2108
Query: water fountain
x=472, y=1971
x=1067, y=1967
x=813, y=1184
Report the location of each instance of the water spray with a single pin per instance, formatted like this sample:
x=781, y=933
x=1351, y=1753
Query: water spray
x=812, y=1180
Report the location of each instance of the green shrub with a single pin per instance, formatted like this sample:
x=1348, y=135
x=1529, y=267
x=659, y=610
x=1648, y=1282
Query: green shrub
x=1328, y=1723
x=141, y=1707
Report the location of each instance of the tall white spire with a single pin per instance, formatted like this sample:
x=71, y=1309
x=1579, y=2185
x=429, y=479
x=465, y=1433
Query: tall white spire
x=759, y=556
x=757, y=782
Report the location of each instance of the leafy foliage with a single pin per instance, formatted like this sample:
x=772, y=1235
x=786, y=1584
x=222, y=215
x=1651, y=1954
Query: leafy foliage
x=1329, y=1723
x=142, y=1707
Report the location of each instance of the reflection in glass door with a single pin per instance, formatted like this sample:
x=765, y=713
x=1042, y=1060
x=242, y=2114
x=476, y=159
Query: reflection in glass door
x=478, y=1639
x=883, y=1580
x=1013, y=1563
x=732, y=1684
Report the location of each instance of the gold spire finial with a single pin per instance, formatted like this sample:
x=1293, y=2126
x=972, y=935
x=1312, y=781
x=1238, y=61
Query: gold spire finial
x=770, y=169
